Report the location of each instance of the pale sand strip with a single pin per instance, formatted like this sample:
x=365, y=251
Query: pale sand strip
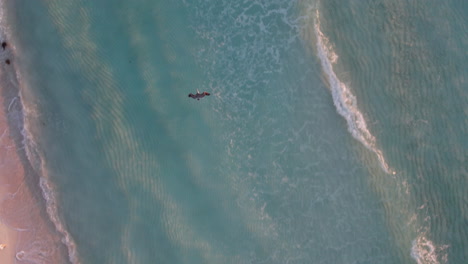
x=8, y=238
x=11, y=174
x=25, y=227
x=26, y=233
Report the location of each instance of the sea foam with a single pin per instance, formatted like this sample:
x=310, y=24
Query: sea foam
x=424, y=251
x=49, y=194
x=343, y=99
x=33, y=254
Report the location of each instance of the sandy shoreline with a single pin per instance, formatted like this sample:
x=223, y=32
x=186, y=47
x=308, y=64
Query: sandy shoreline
x=11, y=176
x=25, y=227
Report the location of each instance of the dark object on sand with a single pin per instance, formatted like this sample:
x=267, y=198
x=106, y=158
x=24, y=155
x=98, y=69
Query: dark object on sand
x=7, y=61
x=198, y=95
x=4, y=45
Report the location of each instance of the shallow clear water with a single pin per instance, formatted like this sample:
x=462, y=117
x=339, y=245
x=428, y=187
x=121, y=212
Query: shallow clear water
x=334, y=132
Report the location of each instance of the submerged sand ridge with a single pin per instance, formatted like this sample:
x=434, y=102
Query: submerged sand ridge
x=27, y=234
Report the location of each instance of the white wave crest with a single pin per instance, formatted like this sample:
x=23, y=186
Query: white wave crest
x=51, y=201
x=424, y=251
x=32, y=151
x=343, y=99
x=48, y=192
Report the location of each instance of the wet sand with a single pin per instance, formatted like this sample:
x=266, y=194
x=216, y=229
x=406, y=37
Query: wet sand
x=25, y=228
x=11, y=175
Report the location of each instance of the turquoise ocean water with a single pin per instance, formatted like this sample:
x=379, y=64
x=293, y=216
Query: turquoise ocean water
x=336, y=131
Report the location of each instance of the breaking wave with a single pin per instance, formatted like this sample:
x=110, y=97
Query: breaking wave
x=424, y=251
x=13, y=77
x=343, y=99
x=48, y=192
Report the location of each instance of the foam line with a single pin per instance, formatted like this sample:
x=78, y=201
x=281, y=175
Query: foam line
x=33, y=156
x=343, y=99
x=48, y=192
x=424, y=251
x=51, y=201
